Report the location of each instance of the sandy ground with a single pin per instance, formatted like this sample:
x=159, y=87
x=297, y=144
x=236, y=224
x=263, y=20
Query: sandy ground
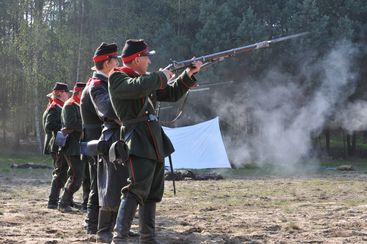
x=313, y=209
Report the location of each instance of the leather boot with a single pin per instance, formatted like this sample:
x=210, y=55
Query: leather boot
x=91, y=220
x=65, y=202
x=106, y=221
x=86, y=190
x=147, y=223
x=53, y=199
x=124, y=219
x=85, y=202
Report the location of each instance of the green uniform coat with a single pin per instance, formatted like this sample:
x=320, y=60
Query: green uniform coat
x=92, y=124
x=71, y=120
x=128, y=95
x=148, y=143
x=51, y=120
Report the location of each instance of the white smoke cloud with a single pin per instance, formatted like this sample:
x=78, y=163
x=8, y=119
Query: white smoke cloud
x=287, y=116
x=353, y=117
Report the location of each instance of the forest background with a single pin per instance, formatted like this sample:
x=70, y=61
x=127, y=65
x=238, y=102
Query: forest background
x=45, y=41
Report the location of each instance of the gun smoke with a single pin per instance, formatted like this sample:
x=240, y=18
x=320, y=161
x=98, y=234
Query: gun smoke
x=276, y=118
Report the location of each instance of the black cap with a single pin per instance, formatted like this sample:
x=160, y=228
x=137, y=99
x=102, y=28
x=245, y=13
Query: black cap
x=59, y=86
x=134, y=48
x=79, y=86
x=105, y=51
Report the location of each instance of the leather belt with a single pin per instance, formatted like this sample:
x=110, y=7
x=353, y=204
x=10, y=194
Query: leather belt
x=148, y=117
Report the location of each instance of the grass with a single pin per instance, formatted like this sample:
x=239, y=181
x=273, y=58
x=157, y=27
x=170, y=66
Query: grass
x=7, y=159
x=252, y=170
x=248, y=170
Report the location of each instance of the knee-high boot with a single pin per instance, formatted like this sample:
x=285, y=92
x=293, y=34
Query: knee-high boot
x=65, y=202
x=106, y=221
x=91, y=220
x=53, y=199
x=147, y=223
x=124, y=219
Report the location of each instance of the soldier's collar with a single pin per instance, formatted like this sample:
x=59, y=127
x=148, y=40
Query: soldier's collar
x=76, y=100
x=58, y=102
x=99, y=72
x=129, y=71
x=100, y=76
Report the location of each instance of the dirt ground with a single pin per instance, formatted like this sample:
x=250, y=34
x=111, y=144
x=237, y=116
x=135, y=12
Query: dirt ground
x=329, y=208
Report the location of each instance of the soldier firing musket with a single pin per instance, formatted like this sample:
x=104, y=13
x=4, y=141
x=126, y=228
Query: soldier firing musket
x=220, y=56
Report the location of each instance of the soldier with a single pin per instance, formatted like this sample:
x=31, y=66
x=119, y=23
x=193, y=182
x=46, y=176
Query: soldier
x=105, y=58
x=92, y=128
x=134, y=94
x=72, y=128
x=111, y=178
x=52, y=124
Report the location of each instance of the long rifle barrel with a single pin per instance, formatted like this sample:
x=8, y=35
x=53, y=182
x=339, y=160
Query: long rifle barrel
x=219, y=56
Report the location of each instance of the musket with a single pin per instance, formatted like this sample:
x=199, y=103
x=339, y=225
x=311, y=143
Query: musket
x=220, y=56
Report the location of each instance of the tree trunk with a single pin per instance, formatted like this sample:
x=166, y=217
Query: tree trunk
x=37, y=120
x=327, y=141
x=354, y=144
x=344, y=145
x=349, y=145
x=80, y=41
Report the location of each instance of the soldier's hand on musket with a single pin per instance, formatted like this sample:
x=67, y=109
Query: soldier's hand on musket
x=194, y=68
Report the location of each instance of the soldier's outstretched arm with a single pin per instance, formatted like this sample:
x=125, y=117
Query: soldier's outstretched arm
x=178, y=87
x=124, y=87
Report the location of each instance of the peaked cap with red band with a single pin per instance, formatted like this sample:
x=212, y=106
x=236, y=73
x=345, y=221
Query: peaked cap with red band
x=135, y=48
x=79, y=86
x=105, y=51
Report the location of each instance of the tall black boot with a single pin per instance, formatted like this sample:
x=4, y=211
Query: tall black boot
x=147, y=223
x=124, y=219
x=106, y=221
x=53, y=199
x=91, y=220
x=85, y=200
x=86, y=186
x=65, y=203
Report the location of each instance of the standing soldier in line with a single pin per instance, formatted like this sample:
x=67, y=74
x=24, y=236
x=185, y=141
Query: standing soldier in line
x=111, y=178
x=72, y=128
x=134, y=94
x=92, y=127
x=52, y=124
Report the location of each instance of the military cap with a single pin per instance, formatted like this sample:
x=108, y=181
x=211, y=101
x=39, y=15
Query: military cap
x=79, y=86
x=135, y=48
x=105, y=51
x=59, y=86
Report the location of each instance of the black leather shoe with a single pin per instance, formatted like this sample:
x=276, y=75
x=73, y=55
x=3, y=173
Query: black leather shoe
x=52, y=205
x=67, y=209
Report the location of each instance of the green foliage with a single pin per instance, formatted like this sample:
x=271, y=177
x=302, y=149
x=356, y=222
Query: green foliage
x=54, y=40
